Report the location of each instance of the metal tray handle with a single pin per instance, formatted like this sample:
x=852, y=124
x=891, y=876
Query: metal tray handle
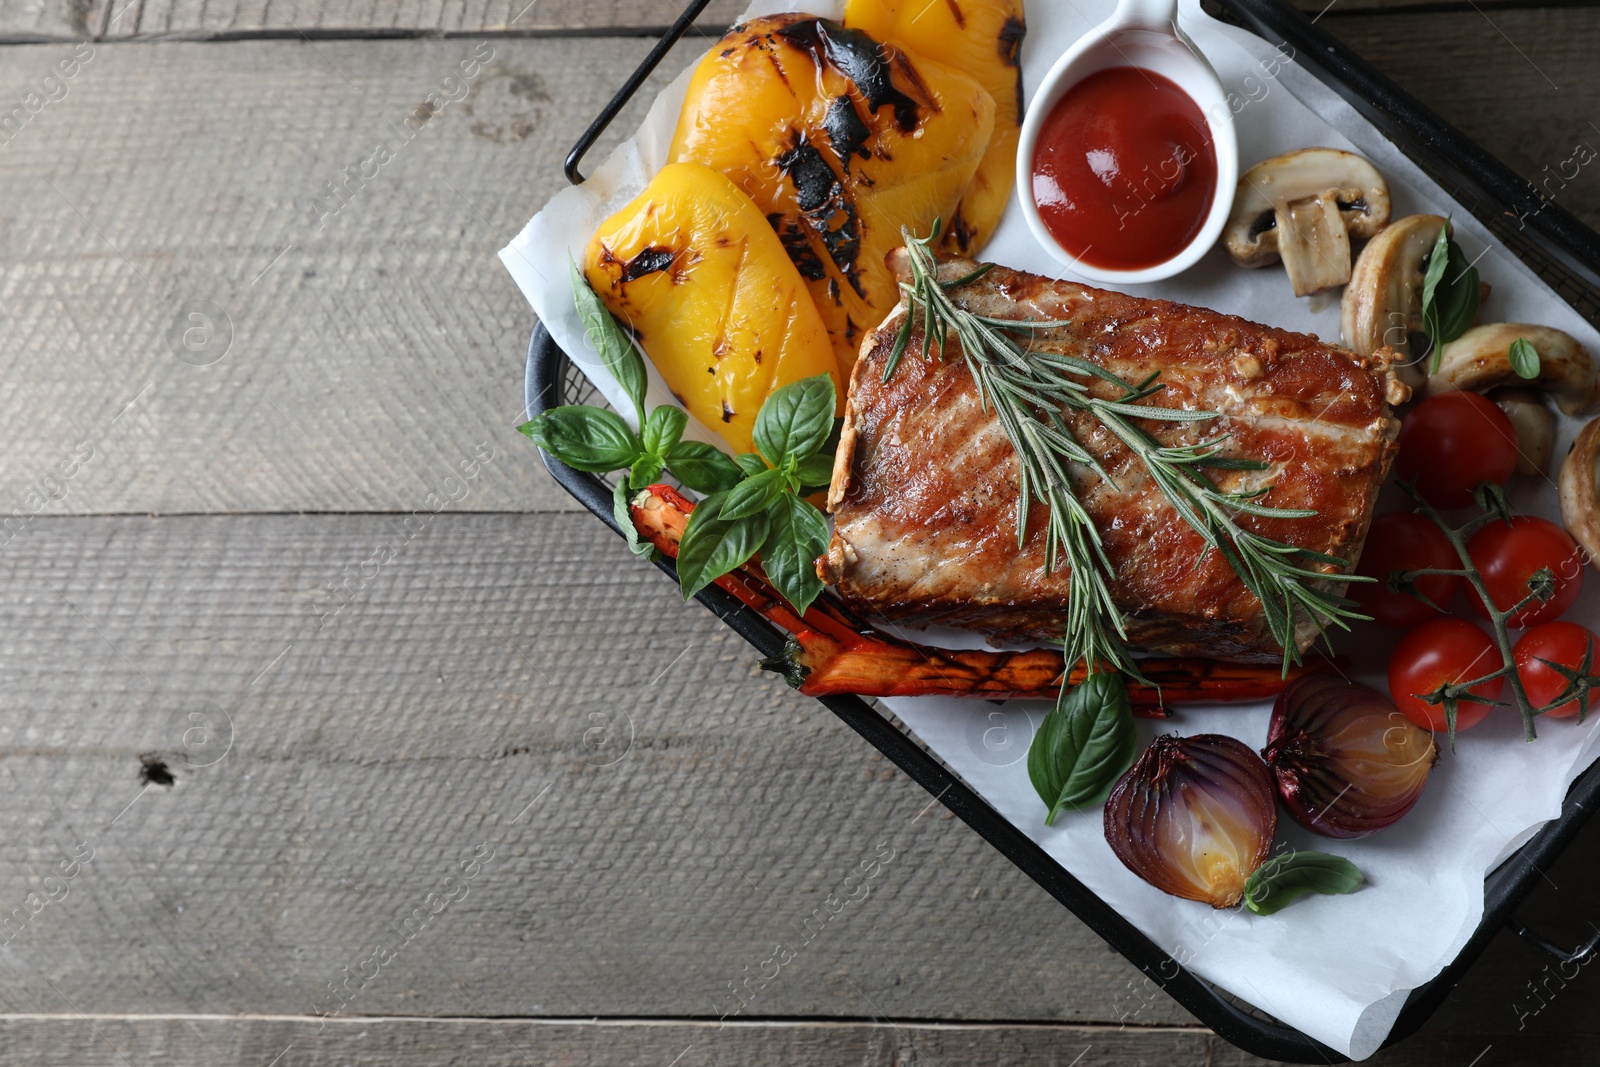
x=630, y=87
x=1579, y=955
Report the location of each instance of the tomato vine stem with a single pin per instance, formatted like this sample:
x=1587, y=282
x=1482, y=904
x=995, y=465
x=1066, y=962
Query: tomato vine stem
x=1541, y=587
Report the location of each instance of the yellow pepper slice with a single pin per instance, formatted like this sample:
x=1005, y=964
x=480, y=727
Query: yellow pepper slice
x=694, y=270
x=841, y=142
x=982, y=38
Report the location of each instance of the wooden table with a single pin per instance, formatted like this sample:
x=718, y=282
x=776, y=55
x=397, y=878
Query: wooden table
x=303, y=654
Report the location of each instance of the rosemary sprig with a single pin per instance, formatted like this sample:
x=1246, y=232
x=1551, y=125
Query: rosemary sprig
x=1030, y=391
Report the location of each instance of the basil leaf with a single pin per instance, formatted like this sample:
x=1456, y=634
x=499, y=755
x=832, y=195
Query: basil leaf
x=1458, y=299
x=713, y=546
x=1524, y=358
x=753, y=495
x=750, y=463
x=815, y=470
x=1438, y=260
x=585, y=438
x=663, y=429
x=620, y=498
x=1085, y=744
x=645, y=469
x=1450, y=294
x=796, y=420
x=1281, y=881
x=613, y=343
x=796, y=536
x=702, y=467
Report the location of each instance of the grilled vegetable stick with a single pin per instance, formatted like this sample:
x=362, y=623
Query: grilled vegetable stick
x=833, y=651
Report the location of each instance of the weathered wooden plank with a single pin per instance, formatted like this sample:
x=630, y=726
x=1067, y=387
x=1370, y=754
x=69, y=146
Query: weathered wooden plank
x=357, y=18
x=375, y=337
x=126, y=1041
x=1518, y=82
x=113, y=20
x=89, y=1040
x=45, y=20
x=1441, y=7
x=204, y=19
x=661, y=813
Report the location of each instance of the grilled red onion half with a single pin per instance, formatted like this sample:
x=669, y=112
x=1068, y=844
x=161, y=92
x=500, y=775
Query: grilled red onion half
x=1194, y=817
x=1347, y=763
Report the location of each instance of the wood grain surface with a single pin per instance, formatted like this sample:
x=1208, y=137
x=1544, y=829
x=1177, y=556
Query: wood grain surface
x=186, y=18
x=117, y=1040
x=661, y=813
x=234, y=19
x=363, y=341
x=1533, y=102
x=280, y=727
x=112, y=20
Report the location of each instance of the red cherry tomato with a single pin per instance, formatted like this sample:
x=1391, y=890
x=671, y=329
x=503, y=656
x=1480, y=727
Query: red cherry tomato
x=1443, y=652
x=1562, y=643
x=1453, y=443
x=1402, y=541
x=1507, y=556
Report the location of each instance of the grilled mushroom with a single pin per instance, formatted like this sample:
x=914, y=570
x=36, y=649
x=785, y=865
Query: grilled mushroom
x=1480, y=360
x=1303, y=208
x=1535, y=426
x=1382, y=305
x=1580, y=502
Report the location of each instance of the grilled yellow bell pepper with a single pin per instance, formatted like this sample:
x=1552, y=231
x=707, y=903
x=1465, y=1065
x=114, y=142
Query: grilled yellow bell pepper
x=982, y=38
x=695, y=271
x=841, y=142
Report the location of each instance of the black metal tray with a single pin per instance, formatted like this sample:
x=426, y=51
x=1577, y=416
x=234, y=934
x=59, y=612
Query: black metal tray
x=1563, y=251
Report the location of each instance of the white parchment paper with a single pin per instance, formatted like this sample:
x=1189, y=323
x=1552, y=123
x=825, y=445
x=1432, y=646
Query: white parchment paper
x=1338, y=968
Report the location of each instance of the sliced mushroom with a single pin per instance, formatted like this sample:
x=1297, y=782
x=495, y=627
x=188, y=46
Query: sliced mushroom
x=1580, y=503
x=1382, y=305
x=1480, y=360
x=1303, y=208
x=1535, y=426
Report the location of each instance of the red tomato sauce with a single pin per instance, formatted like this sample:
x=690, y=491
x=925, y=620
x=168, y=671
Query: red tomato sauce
x=1125, y=174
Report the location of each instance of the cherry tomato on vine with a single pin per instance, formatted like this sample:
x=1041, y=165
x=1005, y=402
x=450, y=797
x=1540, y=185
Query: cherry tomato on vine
x=1507, y=556
x=1562, y=643
x=1453, y=443
x=1443, y=652
x=1403, y=541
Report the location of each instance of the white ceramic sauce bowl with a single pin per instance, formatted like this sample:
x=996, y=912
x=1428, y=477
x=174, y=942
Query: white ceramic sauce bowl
x=1140, y=33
